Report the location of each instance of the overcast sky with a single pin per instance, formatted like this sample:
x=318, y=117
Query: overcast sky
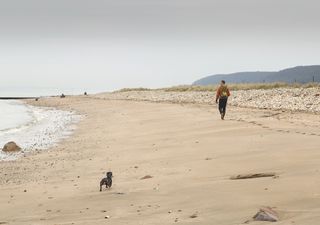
x=106, y=45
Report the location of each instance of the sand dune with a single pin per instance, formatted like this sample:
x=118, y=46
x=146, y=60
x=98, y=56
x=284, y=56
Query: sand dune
x=190, y=154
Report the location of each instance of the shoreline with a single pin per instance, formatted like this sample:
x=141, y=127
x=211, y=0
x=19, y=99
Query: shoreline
x=182, y=148
x=46, y=129
x=17, y=98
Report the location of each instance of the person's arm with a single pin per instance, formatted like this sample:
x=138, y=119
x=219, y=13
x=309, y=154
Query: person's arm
x=228, y=92
x=217, y=95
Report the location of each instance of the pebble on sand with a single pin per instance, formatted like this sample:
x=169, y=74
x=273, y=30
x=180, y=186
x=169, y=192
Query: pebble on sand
x=266, y=214
x=11, y=147
x=193, y=216
x=277, y=98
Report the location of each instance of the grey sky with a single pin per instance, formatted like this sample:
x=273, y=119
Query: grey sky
x=102, y=44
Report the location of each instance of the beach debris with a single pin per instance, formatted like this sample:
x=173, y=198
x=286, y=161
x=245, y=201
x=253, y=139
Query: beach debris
x=266, y=214
x=107, y=217
x=146, y=177
x=11, y=147
x=252, y=176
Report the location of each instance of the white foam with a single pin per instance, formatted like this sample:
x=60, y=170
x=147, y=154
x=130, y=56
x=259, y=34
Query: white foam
x=47, y=127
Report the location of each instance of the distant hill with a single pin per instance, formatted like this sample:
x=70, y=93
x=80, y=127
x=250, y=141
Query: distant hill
x=300, y=74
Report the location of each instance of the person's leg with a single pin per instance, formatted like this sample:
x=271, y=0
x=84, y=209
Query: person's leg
x=220, y=106
x=224, y=107
x=222, y=103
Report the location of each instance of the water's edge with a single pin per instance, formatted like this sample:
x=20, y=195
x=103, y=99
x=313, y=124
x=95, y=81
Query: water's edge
x=48, y=127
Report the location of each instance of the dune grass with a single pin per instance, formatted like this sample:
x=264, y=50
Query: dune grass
x=134, y=89
x=234, y=87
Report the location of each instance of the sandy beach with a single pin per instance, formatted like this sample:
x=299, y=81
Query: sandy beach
x=190, y=155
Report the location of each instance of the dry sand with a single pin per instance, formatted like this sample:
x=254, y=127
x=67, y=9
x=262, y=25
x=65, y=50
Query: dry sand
x=190, y=154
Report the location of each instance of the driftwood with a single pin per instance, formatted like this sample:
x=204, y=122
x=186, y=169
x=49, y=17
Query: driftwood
x=146, y=177
x=252, y=176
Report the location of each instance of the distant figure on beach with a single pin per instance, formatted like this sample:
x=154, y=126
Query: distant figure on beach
x=222, y=95
x=85, y=93
x=62, y=96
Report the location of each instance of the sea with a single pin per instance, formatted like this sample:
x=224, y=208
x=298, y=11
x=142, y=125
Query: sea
x=33, y=128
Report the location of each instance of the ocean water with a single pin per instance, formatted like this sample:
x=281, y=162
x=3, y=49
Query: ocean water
x=33, y=128
x=14, y=114
x=47, y=91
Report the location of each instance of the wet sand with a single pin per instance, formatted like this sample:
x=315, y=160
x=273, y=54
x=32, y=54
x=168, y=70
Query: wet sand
x=190, y=155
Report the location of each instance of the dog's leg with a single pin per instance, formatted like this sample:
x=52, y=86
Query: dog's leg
x=101, y=184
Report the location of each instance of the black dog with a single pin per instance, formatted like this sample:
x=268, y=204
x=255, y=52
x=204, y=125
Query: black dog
x=106, y=181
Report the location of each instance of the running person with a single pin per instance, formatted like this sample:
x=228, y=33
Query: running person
x=222, y=95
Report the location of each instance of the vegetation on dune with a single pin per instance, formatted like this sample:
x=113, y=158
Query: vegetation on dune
x=234, y=87
x=134, y=89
